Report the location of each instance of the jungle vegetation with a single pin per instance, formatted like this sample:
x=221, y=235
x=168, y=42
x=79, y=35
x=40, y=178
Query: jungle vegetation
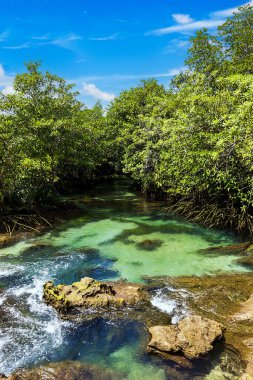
x=191, y=143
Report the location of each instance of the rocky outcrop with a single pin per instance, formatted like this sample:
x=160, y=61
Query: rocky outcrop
x=66, y=371
x=228, y=299
x=193, y=337
x=89, y=293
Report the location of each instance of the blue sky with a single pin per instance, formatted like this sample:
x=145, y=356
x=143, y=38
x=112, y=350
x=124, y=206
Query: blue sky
x=103, y=46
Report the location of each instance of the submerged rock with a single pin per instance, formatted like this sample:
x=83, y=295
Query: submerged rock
x=37, y=247
x=193, y=337
x=66, y=371
x=234, y=249
x=88, y=250
x=89, y=293
x=246, y=261
x=149, y=245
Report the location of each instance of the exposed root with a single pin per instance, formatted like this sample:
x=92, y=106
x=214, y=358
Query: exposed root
x=23, y=222
x=213, y=214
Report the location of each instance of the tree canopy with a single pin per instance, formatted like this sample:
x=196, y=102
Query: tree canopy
x=47, y=138
x=191, y=143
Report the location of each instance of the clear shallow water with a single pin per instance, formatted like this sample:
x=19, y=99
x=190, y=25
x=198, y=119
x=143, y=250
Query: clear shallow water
x=112, y=222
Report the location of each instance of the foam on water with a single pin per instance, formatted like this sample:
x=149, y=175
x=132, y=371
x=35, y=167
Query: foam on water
x=165, y=300
x=32, y=331
x=8, y=270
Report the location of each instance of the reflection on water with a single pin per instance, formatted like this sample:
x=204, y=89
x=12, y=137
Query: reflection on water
x=117, y=234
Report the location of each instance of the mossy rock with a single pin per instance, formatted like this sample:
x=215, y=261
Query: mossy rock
x=90, y=293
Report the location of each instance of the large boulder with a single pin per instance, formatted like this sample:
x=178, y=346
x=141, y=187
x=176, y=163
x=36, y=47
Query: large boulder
x=192, y=337
x=90, y=293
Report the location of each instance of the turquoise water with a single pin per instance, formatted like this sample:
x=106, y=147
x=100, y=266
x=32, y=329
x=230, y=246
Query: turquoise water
x=105, y=240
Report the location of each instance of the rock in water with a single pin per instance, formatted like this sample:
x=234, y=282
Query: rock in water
x=246, y=261
x=193, y=337
x=65, y=371
x=149, y=245
x=234, y=249
x=89, y=293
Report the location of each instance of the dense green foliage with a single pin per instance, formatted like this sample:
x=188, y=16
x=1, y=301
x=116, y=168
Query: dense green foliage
x=48, y=139
x=193, y=143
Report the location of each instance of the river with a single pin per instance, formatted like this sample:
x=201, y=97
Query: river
x=105, y=241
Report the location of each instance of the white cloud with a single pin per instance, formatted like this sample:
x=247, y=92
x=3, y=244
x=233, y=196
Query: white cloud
x=1, y=72
x=64, y=42
x=44, y=37
x=6, y=82
x=182, y=18
x=8, y=90
x=36, y=41
x=187, y=27
x=91, y=90
x=122, y=77
x=105, y=38
x=177, y=71
x=176, y=44
x=186, y=24
x=25, y=45
x=228, y=12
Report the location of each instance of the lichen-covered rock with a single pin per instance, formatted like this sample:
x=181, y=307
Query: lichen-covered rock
x=193, y=337
x=89, y=293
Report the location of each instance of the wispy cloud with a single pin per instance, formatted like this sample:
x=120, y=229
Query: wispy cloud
x=178, y=45
x=122, y=77
x=92, y=90
x=65, y=42
x=184, y=23
x=228, y=12
x=44, y=37
x=105, y=38
x=24, y=45
x=187, y=27
x=182, y=18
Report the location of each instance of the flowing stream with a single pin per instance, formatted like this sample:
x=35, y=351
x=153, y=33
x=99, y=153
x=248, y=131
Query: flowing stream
x=109, y=238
